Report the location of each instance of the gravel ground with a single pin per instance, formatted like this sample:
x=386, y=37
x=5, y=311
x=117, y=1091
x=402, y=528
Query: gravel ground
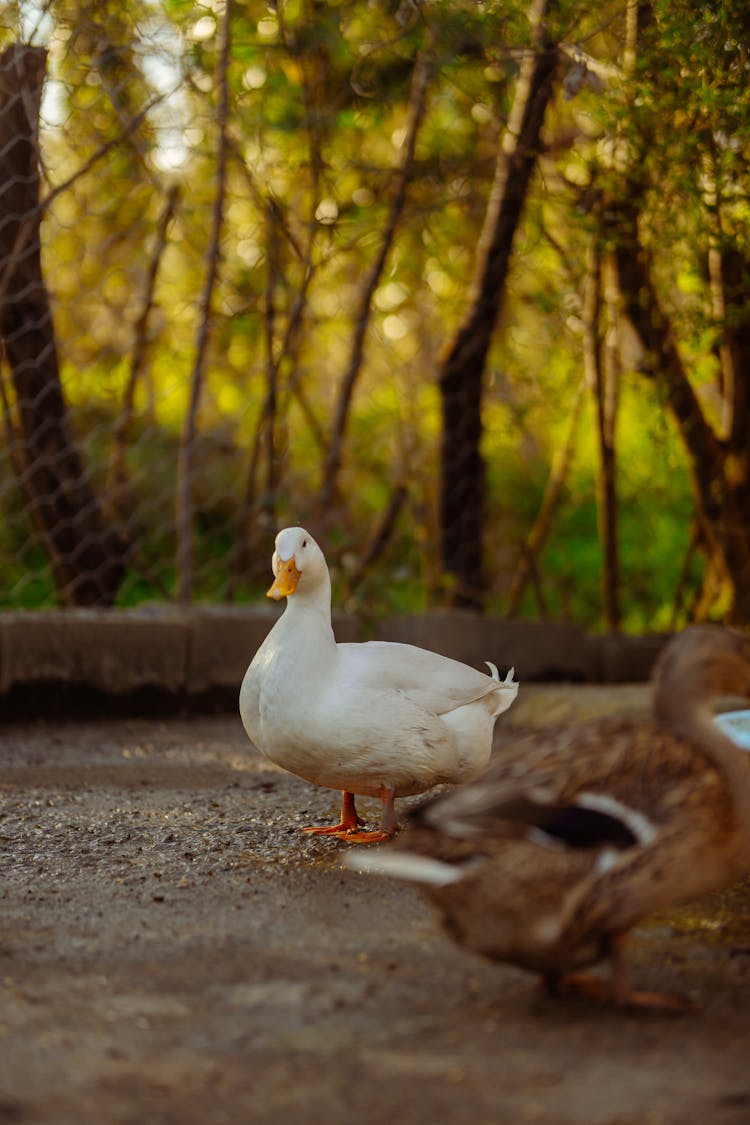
x=174, y=952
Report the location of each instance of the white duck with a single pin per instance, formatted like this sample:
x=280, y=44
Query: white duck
x=380, y=719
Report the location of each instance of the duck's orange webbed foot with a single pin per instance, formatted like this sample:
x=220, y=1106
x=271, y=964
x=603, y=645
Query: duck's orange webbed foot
x=601, y=991
x=377, y=836
x=616, y=990
x=389, y=825
x=667, y=1002
x=350, y=821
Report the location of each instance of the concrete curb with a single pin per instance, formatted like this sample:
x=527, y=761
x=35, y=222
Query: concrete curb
x=164, y=657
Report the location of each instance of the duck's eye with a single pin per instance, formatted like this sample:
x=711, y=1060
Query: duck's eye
x=304, y=542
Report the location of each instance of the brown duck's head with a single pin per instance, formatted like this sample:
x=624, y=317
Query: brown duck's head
x=699, y=665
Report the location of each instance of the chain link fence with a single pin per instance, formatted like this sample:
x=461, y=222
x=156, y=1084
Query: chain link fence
x=206, y=246
x=237, y=242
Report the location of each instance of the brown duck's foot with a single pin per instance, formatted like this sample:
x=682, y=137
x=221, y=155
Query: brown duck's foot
x=350, y=820
x=615, y=992
x=626, y=997
x=656, y=1002
x=580, y=984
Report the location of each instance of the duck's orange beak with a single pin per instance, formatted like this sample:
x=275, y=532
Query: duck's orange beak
x=286, y=581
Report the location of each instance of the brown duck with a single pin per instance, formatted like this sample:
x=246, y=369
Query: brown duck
x=556, y=851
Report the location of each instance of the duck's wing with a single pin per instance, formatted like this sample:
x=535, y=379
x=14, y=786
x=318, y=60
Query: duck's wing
x=568, y=838
x=601, y=784
x=436, y=683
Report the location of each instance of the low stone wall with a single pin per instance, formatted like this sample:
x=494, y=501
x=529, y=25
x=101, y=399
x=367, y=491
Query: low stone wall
x=73, y=661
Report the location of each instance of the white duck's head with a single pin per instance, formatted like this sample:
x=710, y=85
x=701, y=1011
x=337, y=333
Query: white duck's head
x=297, y=558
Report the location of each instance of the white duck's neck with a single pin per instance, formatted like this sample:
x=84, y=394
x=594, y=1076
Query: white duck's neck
x=309, y=609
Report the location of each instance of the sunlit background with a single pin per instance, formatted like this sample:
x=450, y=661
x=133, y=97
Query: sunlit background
x=314, y=128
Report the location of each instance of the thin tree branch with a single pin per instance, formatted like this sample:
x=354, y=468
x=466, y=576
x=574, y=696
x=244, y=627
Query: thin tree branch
x=27, y=228
x=380, y=535
x=417, y=105
x=526, y=568
x=694, y=543
x=265, y=431
x=600, y=376
x=185, y=468
x=262, y=199
x=17, y=456
x=117, y=474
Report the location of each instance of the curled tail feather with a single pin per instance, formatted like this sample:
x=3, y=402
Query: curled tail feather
x=496, y=675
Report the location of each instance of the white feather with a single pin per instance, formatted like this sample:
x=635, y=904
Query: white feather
x=405, y=865
x=644, y=831
x=606, y=860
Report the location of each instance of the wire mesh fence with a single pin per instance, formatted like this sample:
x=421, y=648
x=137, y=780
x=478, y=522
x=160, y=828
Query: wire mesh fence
x=187, y=288
x=237, y=241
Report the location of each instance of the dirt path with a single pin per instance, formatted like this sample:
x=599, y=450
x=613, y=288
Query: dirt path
x=173, y=950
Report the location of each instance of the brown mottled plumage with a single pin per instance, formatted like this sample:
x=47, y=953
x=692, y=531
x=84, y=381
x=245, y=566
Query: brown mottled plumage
x=549, y=858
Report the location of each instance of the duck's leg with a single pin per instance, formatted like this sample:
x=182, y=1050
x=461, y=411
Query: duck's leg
x=617, y=989
x=626, y=997
x=388, y=822
x=350, y=821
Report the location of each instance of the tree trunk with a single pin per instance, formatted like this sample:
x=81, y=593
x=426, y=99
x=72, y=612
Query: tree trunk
x=87, y=555
x=601, y=374
x=719, y=462
x=720, y=468
x=462, y=368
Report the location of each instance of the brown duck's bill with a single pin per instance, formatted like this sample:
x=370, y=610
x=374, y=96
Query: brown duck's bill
x=285, y=582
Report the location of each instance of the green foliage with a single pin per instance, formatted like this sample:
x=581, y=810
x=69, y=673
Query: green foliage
x=318, y=111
